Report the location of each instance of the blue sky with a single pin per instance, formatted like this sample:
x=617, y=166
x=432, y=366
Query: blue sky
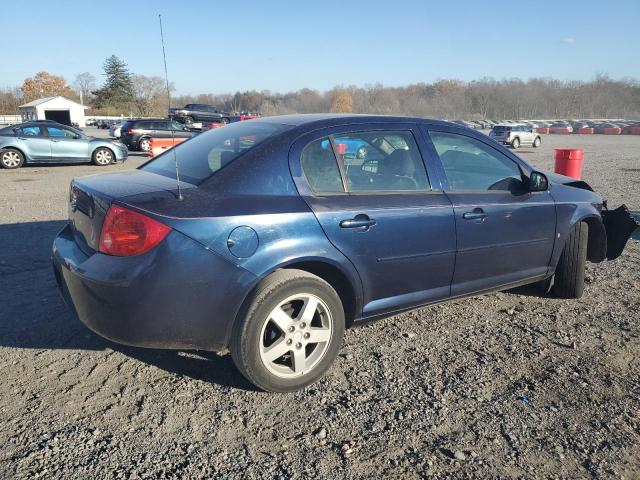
x=218, y=47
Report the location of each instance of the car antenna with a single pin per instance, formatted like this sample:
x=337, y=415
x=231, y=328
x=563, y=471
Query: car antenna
x=173, y=140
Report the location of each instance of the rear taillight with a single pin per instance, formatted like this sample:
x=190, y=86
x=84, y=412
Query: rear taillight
x=126, y=233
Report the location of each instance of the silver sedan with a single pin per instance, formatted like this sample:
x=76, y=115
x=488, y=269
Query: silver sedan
x=50, y=142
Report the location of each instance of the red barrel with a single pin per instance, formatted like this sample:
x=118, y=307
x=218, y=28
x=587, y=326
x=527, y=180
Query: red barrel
x=341, y=148
x=569, y=162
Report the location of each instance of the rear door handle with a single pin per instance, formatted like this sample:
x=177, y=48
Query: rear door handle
x=476, y=214
x=359, y=221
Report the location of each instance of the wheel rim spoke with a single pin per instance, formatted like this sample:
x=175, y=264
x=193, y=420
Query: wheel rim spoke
x=299, y=360
x=276, y=350
x=281, y=319
x=310, y=307
x=319, y=335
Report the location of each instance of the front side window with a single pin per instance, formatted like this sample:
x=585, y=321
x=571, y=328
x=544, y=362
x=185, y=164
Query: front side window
x=472, y=165
x=381, y=161
x=321, y=168
x=61, y=132
x=205, y=154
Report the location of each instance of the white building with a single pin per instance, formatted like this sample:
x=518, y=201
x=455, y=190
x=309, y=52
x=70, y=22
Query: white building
x=58, y=108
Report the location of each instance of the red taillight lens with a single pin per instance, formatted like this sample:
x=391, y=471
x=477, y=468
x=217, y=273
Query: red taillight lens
x=126, y=233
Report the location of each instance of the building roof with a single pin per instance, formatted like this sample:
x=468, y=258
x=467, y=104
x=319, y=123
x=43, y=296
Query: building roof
x=48, y=99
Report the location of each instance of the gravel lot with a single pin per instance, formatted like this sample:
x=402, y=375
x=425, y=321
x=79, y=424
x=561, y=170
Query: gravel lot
x=500, y=385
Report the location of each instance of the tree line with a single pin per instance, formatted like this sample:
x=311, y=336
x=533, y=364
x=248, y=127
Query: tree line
x=125, y=93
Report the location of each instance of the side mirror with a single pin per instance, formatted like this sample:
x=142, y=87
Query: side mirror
x=538, y=182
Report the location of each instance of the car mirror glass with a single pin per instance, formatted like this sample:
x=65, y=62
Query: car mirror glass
x=538, y=182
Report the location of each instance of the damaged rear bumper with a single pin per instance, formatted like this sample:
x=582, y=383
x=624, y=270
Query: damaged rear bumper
x=619, y=225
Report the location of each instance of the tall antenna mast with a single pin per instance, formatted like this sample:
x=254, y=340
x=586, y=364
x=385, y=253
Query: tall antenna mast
x=173, y=140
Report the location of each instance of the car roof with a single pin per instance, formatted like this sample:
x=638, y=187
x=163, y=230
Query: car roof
x=332, y=119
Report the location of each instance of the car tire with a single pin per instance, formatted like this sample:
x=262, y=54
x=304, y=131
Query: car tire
x=102, y=157
x=225, y=120
x=144, y=144
x=515, y=143
x=276, y=315
x=569, y=274
x=10, y=158
x=537, y=142
x=188, y=120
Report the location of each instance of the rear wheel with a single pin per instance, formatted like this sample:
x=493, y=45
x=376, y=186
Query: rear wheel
x=537, y=142
x=515, y=143
x=569, y=275
x=10, y=159
x=102, y=157
x=144, y=144
x=188, y=120
x=289, y=331
x=225, y=120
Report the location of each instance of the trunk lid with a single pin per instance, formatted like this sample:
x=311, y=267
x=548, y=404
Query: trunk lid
x=90, y=198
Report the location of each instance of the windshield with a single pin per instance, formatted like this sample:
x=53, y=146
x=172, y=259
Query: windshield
x=205, y=154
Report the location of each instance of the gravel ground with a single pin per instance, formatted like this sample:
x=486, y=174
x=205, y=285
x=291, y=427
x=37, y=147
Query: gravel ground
x=501, y=385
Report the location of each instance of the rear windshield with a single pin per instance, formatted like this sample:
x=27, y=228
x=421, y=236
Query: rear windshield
x=501, y=128
x=205, y=154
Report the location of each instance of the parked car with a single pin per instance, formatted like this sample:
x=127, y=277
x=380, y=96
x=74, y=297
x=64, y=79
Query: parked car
x=515, y=135
x=199, y=113
x=48, y=141
x=270, y=246
x=135, y=134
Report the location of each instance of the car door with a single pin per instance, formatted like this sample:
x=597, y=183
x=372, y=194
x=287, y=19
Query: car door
x=67, y=145
x=505, y=234
x=369, y=190
x=32, y=140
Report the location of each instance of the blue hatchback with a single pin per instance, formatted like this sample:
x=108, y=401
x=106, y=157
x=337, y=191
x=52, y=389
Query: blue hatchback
x=283, y=231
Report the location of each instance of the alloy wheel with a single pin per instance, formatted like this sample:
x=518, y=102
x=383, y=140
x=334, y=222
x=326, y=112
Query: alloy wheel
x=10, y=159
x=103, y=157
x=145, y=145
x=296, y=335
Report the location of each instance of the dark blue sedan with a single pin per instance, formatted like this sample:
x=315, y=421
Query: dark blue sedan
x=276, y=237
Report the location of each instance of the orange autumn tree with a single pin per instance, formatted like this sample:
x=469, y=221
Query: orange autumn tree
x=43, y=84
x=342, y=102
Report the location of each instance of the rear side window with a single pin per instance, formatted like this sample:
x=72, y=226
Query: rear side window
x=381, y=161
x=499, y=128
x=371, y=161
x=29, y=131
x=205, y=154
x=321, y=168
x=472, y=165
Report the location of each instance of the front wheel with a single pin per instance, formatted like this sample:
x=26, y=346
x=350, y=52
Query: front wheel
x=225, y=120
x=11, y=159
x=516, y=143
x=102, y=157
x=569, y=275
x=289, y=331
x=537, y=142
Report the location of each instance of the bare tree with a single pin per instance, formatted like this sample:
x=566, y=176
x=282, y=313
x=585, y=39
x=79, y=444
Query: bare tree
x=85, y=83
x=149, y=94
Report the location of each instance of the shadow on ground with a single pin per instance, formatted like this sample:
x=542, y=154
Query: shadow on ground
x=33, y=314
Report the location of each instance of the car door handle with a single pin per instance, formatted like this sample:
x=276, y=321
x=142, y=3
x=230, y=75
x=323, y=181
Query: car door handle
x=54, y=140
x=359, y=221
x=476, y=214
